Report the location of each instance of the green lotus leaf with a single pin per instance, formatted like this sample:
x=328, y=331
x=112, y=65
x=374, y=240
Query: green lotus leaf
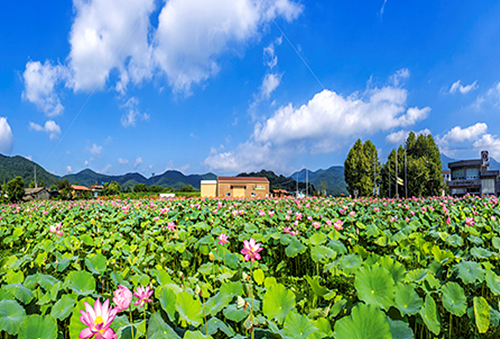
x=416, y=275
x=232, y=312
x=44, y=280
x=167, y=300
x=481, y=253
x=317, y=238
x=454, y=299
x=14, y=277
x=319, y=290
x=298, y=326
x=495, y=241
x=294, y=248
x=337, y=246
x=469, y=271
x=475, y=240
x=96, y=264
x=258, y=276
x=196, y=335
x=455, y=240
x=440, y=255
x=231, y=288
x=494, y=317
x=190, y=309
x=399, y=329
x=396, y=269
x=323, y=325
x=350, y=263
x=493, y=282
x=39, y=327
x=20, y=292
x=407, y=301
x=63, y=307
x=278, y=301
x=159, y=329
x=81, y=282
x=430, y=315
x=482, y=314
x=375, y=286
x=322, y=253
x=215, y=324
x=365, y=321
x=11, y=316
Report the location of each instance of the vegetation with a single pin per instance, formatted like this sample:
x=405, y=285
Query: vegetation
x=317, y=268
x=280, y=181
x=15, y=189
x=361, y=169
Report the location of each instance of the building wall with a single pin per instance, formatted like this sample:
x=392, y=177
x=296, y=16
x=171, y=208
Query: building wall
x=251, y=189
x=208, y=189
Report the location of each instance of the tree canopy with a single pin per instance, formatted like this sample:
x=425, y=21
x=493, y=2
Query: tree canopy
x=361, y=168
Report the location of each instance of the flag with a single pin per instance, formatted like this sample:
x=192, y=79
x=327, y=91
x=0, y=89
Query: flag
x=399, y=181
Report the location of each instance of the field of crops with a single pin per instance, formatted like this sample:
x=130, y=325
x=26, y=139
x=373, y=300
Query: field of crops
x=316, y=268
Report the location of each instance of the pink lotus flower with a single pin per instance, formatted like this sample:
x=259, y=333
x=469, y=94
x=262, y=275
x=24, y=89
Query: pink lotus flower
x=143, y=295
x=122, y=298
x=338, y=225
x=223, y=239
x=171, y=226
x=251, y=250
x=262, y=213
x=448, y=220
x=286, y=229
x=469, y=221
x=98, y=320
x=316, y=224
x=294, y=232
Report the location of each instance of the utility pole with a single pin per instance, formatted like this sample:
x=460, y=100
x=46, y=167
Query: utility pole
x=406, y=178
x=397, y=176
x=374, y=179
x=36, y=185
x=389, y=167
x=297, y=190
x=307, y=187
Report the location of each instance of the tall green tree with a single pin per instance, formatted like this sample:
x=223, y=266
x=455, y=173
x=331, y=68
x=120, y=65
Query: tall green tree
x=362, y=168
x=15, y=189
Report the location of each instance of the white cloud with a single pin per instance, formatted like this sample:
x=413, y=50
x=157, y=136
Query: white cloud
x=122, y=161
x=400, y=75
x=106, y=169
x=458, y=134
x=270, y=58
x=193, y=34
x=50, y=127
x=69, y=169
x=457, y=87
x=137, y=162
x=326, y=123
x=107, y=35
x=86, y=163
x=400, y=137
x=39, y=82
x=29, y=157
x=95, y=150
x=6, y=137
x=490, y=143
x=133, y=113
x=382, y=9
x=269, y=84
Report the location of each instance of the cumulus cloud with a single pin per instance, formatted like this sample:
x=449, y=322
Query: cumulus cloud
x=69, y=169
x=50, y=127
x=400, y=137
x=269, y=84
x=6, y=137
x=122, y=161
x=192, y=35
x=95, y=150
x=326, y=123
x=458, y=134
x=137, y=162
x=457, y=87
x=489, y=142
x=39, y=86
x=106, y=169
x=129, y=119
x=86, y=163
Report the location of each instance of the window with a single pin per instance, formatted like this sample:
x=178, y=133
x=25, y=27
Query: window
x=259, y=188
x=458, y=191
x=488, y=186
x=458, y=174
x=228, y=194
x=254, y=194
x=472, y=173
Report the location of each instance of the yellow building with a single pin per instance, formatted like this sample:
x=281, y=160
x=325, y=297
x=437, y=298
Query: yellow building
x=237, y=187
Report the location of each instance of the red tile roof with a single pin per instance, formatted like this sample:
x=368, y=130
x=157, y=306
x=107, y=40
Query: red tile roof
x=245, y=179
x=80, y=188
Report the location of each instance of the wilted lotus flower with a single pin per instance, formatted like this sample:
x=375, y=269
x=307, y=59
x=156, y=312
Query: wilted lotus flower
x=122, y=298
x=251, y=250
x=223, y=239
x=98, y=320
x=143, y=295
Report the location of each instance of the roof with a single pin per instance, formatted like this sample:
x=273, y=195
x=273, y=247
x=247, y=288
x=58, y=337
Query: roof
x=243, y=179
x=80, y=188
x=465, y=163
x=280, y=191
x=33, y=190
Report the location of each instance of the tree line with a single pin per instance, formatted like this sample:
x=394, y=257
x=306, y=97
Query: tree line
x=412, y=169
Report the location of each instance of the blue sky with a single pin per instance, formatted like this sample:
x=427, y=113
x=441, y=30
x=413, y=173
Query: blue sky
x=240, y=85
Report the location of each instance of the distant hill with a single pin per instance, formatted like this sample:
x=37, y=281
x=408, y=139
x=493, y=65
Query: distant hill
x=332, y=177
x=494, y=165
x=280, y=181
x=11, y=167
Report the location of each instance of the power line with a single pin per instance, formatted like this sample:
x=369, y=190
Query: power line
x=300, y=56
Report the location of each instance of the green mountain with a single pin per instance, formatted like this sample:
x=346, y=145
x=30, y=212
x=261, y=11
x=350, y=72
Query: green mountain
x=332, y=179
x=11, y=167
x=280, y=181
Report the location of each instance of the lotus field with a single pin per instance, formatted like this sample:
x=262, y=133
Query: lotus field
x=269, y=268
